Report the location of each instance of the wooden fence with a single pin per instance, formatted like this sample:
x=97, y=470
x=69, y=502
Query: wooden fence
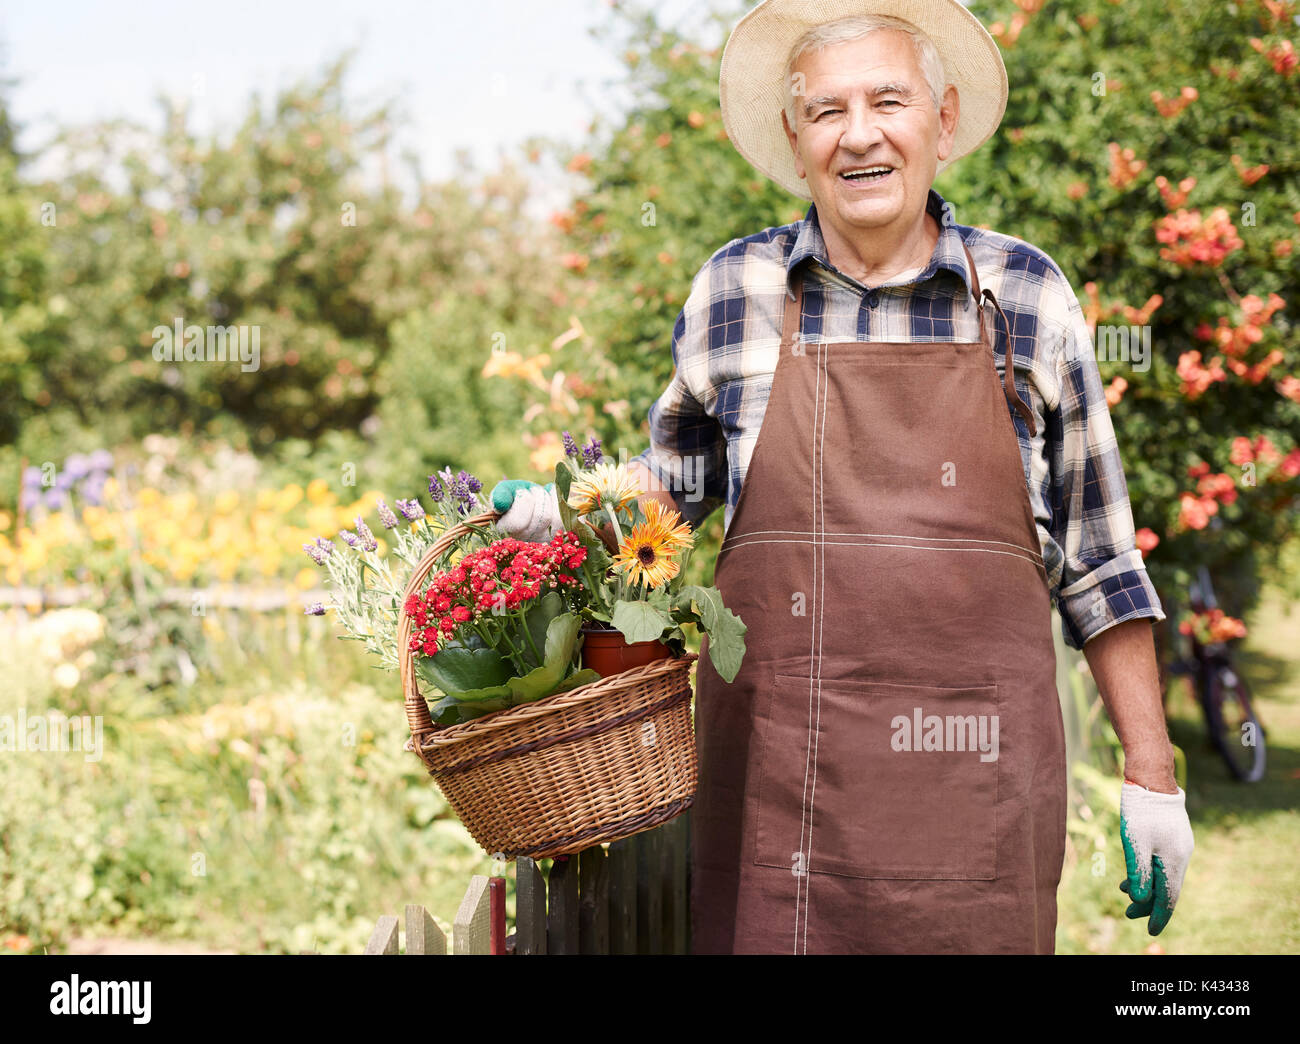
x=629, y=899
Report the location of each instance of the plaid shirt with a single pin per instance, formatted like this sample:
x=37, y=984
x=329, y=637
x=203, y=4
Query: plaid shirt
x=725, y=343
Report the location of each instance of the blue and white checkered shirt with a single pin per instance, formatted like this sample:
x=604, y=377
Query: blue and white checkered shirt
x=725, y=344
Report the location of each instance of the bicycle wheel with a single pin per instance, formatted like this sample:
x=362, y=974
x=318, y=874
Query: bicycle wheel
x=1235, y=731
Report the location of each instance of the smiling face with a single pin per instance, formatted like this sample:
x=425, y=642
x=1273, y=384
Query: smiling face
x=866, y=105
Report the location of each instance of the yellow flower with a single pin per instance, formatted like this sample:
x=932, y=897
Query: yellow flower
x=307, y=578
x=646, y=554
x=318, y=491
x=226, y=502
x=679, y=533
x=605, y=485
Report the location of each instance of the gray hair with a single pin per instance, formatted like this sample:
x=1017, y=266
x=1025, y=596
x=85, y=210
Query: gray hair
x=845, y=30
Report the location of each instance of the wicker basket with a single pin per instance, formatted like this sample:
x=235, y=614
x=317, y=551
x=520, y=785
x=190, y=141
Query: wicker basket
x=597, y=763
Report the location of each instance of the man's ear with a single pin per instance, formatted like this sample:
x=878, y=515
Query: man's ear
x=948, y=115
x=793, y=139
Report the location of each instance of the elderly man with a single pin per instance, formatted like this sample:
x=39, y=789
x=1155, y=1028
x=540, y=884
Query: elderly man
x=887, y=772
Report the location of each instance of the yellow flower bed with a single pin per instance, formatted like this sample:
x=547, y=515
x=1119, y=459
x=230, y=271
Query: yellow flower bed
x=232, y=537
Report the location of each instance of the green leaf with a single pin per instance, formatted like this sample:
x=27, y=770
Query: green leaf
x=537, y=619
x=464, y=666
x=576, y=679
x=561, y=636
x=725, y=629
x=640, y=621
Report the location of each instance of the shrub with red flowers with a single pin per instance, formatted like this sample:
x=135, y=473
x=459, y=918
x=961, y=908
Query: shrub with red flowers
x=490, y=591
x=1157, y=178
x=1212, y=626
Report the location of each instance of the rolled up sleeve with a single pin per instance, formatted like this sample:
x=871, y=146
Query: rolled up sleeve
x=688, y=448
x=1104, y=580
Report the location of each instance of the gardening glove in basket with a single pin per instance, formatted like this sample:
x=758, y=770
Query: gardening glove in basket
x=1158, y=843
x=529, y=511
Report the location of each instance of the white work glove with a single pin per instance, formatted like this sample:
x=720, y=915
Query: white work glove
x=529, y=512
x=1158, y=843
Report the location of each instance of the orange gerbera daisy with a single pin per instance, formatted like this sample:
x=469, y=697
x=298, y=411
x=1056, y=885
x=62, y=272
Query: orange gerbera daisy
x=647, y=553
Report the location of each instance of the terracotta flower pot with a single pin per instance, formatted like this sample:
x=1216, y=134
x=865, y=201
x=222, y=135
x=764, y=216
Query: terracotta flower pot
x=608, y=652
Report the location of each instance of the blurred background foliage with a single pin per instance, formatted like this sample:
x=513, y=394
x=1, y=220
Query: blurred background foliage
x=401, y=334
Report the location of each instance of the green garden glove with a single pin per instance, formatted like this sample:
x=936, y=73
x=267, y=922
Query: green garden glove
x=528, y=511
x=1158, y=843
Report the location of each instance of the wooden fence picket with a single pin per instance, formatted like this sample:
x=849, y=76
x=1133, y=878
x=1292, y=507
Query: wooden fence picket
x=470, y=931
x=530, y=907
x=423, y=936
x=593, y=901
x=632, y=898
x=383, y=939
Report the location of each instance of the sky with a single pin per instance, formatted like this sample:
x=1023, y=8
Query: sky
x=481, y=75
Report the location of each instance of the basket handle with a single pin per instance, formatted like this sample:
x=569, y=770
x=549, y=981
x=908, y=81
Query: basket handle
x=417, y=709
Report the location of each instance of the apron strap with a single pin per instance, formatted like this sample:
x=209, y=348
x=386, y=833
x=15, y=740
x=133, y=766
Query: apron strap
x=793, y=313
x=1008, y=375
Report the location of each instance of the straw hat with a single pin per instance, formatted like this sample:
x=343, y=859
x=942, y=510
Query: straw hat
x=753, y=65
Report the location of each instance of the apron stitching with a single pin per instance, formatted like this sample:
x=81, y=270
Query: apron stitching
x=801, y=879
x=824, y=365
x=900, y=536
x=918, y=547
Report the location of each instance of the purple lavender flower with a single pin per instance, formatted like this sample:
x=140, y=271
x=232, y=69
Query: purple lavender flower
x=570, y=446
x=386, y=516
x=411, y=510
x=368, y=541
x=54, y=498
x=318, y=551
x=436, y=492
x=30, y=498
x=32, y=478
x=349, y=538
x=101, y=460
x=592, y=452
x=464, y=489
x=315, y=609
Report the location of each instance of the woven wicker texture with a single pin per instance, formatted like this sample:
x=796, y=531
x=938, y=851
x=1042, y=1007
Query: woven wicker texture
x=597, y=763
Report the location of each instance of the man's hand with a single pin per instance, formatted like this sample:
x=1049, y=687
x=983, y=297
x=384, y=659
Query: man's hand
x=1158, y=843
x=528, y=511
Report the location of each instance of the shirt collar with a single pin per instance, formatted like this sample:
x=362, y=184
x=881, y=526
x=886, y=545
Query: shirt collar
x=948, y=251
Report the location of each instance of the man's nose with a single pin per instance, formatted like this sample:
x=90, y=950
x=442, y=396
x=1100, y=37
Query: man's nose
x=862, y=129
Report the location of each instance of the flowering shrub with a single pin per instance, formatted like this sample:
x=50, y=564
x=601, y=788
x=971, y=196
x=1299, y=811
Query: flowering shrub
x=1211, y=626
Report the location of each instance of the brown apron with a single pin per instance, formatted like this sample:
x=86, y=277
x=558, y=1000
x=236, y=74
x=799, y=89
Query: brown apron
x=886, y=774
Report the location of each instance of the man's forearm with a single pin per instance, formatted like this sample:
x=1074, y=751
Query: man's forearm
x=1123, y=662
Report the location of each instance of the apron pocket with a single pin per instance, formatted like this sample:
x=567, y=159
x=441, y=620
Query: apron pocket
x=900, y=781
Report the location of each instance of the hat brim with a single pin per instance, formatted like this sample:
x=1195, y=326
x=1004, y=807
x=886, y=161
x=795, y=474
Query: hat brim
x=752, y=93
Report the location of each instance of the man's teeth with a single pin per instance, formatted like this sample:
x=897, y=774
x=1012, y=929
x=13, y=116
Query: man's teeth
x=871, y=172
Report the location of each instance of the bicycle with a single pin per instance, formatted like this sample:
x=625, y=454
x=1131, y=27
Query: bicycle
x=1235, y=729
